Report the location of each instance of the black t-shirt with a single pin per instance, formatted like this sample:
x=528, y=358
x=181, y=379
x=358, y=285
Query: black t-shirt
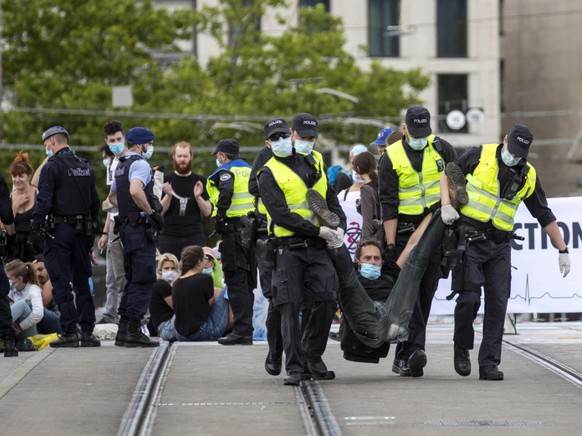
x=183, y=214
x=190, y=296
x=159, y=309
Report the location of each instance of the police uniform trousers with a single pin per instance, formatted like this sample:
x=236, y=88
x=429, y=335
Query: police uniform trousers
x=5, y=314
x=488, y=264
x=139, y=261
x=428, y=285
x=67, y=261
x=273, y=320
x=240, y=277
x=304, y=278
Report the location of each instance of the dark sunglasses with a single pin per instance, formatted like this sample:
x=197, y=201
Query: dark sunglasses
x=277, y=136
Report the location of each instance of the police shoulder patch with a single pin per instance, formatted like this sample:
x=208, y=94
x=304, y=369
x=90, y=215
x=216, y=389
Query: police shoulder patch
x=225, y=176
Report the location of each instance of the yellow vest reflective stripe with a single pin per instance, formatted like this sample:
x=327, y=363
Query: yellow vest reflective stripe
x=295, y=192
x=416, y=191
x=241, y=202
x=484, y=202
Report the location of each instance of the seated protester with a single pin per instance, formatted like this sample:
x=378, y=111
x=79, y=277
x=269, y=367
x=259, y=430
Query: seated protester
x=213, y=267
x=161, y=307
x=377, y=284
x=27, y=309
x=45, y=283
x=200, y=312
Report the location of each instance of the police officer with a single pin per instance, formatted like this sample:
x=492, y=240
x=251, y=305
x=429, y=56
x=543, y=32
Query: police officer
x=66, y=211
x=304, y=275
x=274, y=130
x=139, y=222
x=7, y=333
x=228, y=188
x=499, y=178
x=409, y=175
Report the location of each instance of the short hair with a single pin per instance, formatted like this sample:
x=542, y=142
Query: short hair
x=366, y=243
x=111, y=127
x=182, y=144
x=394, y=137
x=21, y=165
x=191, y=256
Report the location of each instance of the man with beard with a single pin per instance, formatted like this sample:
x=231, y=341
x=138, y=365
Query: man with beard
x=184, y=200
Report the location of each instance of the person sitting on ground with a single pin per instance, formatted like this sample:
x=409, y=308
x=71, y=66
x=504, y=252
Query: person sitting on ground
x=201, y=313
x=161, y=306
x=213, y=267
x=45, y=283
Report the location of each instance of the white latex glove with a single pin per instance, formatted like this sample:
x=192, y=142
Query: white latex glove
x=327, y=233
x=449, y=215
x=338, y=240
x=564, y=262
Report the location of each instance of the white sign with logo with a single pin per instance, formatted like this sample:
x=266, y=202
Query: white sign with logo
x=456, y=120
x=475, y=116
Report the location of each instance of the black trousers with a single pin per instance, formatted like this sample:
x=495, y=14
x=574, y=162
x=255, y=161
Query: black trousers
x=5, y=314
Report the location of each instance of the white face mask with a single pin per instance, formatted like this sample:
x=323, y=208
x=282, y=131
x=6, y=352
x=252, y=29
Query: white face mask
x=417, y=143
x=218, y=162
x=508, y=159
x=170, y=275
x=356, y=177
x=303, y=147
x=282, y=148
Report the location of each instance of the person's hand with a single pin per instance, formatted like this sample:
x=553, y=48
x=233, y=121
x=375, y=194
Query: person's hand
x=219, y=224
x=93, y=258
x=156, y=220
x=17, y=328
x=102, y=242
x=167, y=188
x=449, y=215
x=327, y=233
x=19, y=200
x=338, y=240
x=36, y=241
x=564, y=262
x=198, y=189
x=388, y=252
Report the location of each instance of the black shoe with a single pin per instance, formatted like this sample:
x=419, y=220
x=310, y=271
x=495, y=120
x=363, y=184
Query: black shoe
x=66, y=340
x=318, y=204
x=490, y=372
x=318, y=370
x=234, y=339
x=462, y=361
x=292, y=379
x=335, y=336
x=456, y=176
x=134, y=337
x=10, y=349
x=88, y=340
x=400, y=367
x=273, y=364
x=25, y=345
x=416, y=362
x=121, y=336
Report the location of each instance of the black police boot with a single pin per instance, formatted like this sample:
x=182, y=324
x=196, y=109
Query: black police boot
x=416, y=363
x=121, y=336
x=456, y=176
x=273, y=364
x=490, y=372
x=136, y=338
x=235, y=339
x=462, y=361
x=292, y=379
x=318, y=369
x=400, y=367
x=10, y=347
x=89, y=340
x=318, y=205
x=66, y=340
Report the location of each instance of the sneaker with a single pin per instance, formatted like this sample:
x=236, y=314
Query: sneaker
x=25, y=345
x=456, y=176
x=318, y=205
x=416, y=363
x=462, y=361
x=490, y=372
x=400, y=367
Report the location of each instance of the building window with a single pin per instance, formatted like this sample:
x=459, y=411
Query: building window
x=313, y=3
x=236, y=28
x=383, y=22
x=453, y=93
x=452, y=28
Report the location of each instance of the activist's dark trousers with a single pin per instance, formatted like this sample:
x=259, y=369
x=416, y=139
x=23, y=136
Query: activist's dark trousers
x=238, y=265
x=486, y=264
x=304, y=277
x=375, y=323
x=5, y=314
x=67, y=262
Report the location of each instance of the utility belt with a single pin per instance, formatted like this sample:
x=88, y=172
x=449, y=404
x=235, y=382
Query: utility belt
x=490, y=233
x=133, y=219
x=405, y=227
x=71, y=219
x=298, y=242
x=82, y=223
x=232, y=225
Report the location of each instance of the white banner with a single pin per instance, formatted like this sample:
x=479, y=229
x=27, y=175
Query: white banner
x=537, y=285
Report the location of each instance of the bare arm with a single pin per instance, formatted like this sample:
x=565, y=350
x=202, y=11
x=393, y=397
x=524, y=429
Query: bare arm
x=390, y=230
x=553, y=232
x=204, y=205
x=36, y=175
x=139, y=196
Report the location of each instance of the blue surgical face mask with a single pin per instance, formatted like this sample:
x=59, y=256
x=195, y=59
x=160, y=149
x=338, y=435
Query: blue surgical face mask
x=170, y=275
x=417, y=143
x=369, y=271
x=48, y=152
x=207, y=270
x=117, y=148
x=508, y=159
x=303, y=147
x=106, y=162
x=148, y=153
x=282, y=148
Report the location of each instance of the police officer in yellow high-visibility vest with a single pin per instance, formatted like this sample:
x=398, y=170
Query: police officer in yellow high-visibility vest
x=409, y=174
x=499, y=178
x=304, y=276
x=229, y=194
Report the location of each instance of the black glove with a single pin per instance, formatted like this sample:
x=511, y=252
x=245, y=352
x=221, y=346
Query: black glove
x=389, y=252
x=35, y=241
x=219, y=224
x=156, y=220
